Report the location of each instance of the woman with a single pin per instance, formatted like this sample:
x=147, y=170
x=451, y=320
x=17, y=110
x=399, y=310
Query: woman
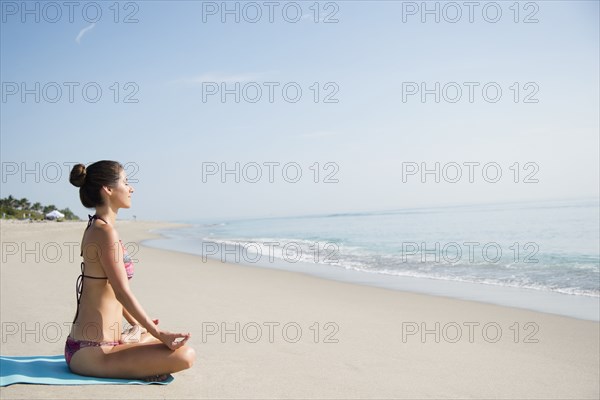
x=97, y=345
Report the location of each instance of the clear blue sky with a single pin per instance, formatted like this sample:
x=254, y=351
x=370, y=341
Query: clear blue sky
x=369, y=55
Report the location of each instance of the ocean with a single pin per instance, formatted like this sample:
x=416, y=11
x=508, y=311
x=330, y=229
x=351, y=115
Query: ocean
x=541, y=255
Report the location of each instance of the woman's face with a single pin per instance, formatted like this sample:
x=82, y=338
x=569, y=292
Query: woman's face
x=122, y=192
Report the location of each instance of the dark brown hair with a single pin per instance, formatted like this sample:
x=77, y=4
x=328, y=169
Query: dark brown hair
x=91, y=179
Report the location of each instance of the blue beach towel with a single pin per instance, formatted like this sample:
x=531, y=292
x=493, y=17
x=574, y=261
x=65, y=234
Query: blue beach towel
x=53, y=370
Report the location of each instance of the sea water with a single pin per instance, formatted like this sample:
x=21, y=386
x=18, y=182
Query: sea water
x=538, y=255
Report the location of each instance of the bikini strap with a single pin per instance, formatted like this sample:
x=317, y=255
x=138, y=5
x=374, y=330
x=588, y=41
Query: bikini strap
x=90, y=222
x=93, y=217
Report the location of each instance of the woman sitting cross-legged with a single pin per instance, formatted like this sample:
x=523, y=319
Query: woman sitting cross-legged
x=97, y=345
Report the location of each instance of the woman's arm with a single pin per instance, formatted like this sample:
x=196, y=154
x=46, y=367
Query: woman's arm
x=111, y=258
x=132, y=320
x=128, y=300
x=172, y=340
x=129, y=318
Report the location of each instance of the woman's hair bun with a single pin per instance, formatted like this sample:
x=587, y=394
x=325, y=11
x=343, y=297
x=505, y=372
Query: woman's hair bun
x=78, y=174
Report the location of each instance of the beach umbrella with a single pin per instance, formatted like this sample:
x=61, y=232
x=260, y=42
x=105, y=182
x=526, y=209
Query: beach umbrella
x=54, y=215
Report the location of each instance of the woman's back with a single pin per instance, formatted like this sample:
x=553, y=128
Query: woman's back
x=99, y=312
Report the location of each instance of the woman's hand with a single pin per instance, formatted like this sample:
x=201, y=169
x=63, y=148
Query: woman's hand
x=173, y=340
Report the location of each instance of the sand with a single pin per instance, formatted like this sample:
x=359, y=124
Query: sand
x=318, y=338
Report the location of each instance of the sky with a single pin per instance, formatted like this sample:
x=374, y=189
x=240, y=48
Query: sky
x=224, y=110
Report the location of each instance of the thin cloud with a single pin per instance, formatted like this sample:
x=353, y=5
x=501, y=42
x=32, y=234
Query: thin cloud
x=83, y=32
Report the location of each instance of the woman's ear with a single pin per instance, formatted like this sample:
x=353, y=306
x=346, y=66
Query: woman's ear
x=107, y=190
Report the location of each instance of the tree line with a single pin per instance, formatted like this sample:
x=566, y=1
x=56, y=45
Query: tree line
x=13, y=208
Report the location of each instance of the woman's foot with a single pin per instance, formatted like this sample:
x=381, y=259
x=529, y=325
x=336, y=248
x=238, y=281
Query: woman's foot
x=157, y=378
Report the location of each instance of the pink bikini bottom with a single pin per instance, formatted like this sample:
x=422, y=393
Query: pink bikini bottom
x=74, y=345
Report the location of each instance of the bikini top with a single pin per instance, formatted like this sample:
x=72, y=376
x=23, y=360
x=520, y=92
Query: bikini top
x=79, y=284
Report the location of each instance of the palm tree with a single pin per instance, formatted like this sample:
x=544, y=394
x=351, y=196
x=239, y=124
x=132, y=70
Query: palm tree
x=49, y=208
x=10, y=201
x=24, y=204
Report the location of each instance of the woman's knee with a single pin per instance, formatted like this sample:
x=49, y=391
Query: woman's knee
x=187, y=355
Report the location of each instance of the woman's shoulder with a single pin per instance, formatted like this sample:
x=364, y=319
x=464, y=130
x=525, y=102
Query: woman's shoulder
x=104, y=235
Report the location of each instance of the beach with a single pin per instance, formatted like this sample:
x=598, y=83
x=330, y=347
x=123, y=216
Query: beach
x=265, y=334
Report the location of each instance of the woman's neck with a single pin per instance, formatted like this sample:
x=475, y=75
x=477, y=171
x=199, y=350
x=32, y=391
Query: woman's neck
x=108, y=214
